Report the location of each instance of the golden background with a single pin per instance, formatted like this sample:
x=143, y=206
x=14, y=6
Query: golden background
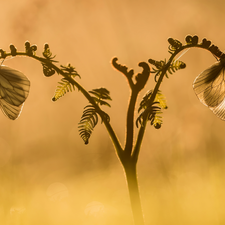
x=49, y=177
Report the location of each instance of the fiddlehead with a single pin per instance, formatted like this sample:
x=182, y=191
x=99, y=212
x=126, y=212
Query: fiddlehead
x=174, y=46
x=142, y=78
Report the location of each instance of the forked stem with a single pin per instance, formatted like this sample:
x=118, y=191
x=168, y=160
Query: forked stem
x=129, y=155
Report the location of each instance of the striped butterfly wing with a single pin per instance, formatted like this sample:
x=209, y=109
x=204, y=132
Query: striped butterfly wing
x=14, y=89
x=209, y=87
x=11, y=111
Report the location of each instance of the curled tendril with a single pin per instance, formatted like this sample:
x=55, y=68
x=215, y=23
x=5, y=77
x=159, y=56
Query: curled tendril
x=3, y=54
x=47, y=66
x=174, y=45
x=142, y=78
x=192, y=40
x=27, y=46
x=123, y=69
x=30, y=50
x=206, y=44
x=47, y=53
x=48, y=70
x=13, y=50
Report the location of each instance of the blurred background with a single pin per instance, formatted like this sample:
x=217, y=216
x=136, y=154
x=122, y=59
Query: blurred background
x=47, y=174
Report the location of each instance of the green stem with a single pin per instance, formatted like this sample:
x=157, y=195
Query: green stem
x=107, y=124
x=132, y=183
x=130, y=123
x=128, y=161
x=143, y=127
x=140, y=136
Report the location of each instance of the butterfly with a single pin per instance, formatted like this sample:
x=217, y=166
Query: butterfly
x=209, y=86
x=14, y=90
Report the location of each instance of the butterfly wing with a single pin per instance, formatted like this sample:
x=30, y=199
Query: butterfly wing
x=14, y=89
x=209, y=87
x=220, y=110
x=11, y=111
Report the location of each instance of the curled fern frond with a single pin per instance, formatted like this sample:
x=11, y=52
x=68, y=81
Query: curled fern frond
x=63, y=87
x=48, y=70
x=152, y=111
x=48, y=54
x=30, y=50
x=174, y=45
x=142, y=78
x=192, y=40
x=122, y=68
x=99, y=94
x=47, y=65
x=206, y=44
x=13, y=50
x=2, y=54
x=87, y=123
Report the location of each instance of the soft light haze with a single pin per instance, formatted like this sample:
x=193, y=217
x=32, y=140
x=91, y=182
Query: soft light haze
x=49, y=177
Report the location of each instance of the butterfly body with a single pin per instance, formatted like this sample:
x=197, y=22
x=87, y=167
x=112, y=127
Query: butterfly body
x=14, y=90
x=209, y=86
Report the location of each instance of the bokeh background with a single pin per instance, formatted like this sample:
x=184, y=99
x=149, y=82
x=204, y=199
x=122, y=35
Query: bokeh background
x=49, y=177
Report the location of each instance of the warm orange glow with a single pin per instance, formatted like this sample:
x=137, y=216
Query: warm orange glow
x=49, y=177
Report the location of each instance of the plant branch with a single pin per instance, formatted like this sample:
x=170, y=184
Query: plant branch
x=130, y=123
x=107, y=124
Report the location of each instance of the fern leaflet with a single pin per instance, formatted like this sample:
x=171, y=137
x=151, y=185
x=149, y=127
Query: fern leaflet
x=89, y=118
x=152, y=111
x=87, y=123
x=99, y=94
x=63, y=87
x=174, y=66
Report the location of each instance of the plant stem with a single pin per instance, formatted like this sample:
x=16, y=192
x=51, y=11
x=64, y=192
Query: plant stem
x=130, y=123
x=132, y=183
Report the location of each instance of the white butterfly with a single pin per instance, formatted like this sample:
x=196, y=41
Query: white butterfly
x=14, y=89
x=209, y=86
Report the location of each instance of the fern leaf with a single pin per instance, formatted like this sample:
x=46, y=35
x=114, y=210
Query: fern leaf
x=176, y=65
x=161, y=100
x=87, y=123
x=159, y=65
x=63, y=87
x=99, y=94
x=48, y=70
x=153, y=110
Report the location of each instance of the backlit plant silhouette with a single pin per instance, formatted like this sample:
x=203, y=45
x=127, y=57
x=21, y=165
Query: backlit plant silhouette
x=209, y=87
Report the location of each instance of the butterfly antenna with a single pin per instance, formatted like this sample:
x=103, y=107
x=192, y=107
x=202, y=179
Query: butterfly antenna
x=2, y=62
x=182, y=54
